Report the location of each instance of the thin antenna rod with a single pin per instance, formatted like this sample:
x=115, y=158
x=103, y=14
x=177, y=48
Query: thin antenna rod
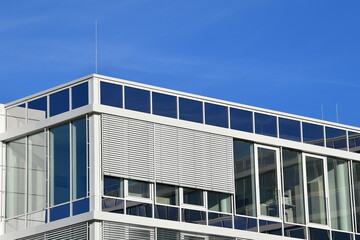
x=337, y=113
x=322, y=112
x=96, y=47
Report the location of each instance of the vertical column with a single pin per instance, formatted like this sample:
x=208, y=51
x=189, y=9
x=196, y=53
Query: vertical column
x=2, y=170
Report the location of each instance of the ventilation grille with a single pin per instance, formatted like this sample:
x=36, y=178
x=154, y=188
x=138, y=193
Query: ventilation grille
x=119, y=231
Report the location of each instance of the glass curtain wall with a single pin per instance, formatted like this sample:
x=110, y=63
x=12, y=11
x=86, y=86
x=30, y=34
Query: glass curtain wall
x=356, y=176
x=244, y=165
x=293, y=187
x=339, y=194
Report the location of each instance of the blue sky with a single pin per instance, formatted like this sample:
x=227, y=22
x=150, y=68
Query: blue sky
x=291, y=56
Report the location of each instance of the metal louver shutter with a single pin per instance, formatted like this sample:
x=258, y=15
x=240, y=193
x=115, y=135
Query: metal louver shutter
x=119, y=231
x=128, y=147
x=219, y=238
x=35, y=237
x=165, y=234
x=72, y=232
x=193, y=158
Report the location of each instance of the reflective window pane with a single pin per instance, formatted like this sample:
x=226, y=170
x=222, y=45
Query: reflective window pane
x=16, y=117
x=293, y=187
x=336, y=138
x=167, y=213
x=216, y=115
x=244, y=165
x=219, y=220
x=193, y=216
x=138, y=209
x=190, y=110
x=36, y=172
x=313, y=134
x=318, y=234
x=79, y=159
x=356, y=175
x=37, y=110
x=111, y=94
x=167, y=194
x=339, y=194
x=138, y=189
x=316, y=190
x=244, y=223
x=164, y=105
x=80, y=95
x=59, y=165
x=289, y=129
x=219, y=202
x=357, y=237
x=15, y=178
x=269, y=199
x=341, y=236
x=270, y=227
x=265, y=125
x=137, y=99
x=60, y=212
x=241, y=120
x=113, y=186
x=113, y=205
x=81, y=206
x=59, y=102
x=193, y=196
x=354, y=142
x=294, y=231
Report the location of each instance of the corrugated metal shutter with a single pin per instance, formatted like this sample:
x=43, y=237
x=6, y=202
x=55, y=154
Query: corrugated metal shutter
x=165, y=234
x=35, y=237
x=193, y=158
x=128, y=147
x=219, y=238
x=120, y=231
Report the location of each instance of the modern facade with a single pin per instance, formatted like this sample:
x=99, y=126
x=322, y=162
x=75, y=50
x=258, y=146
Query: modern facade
x=105, y=158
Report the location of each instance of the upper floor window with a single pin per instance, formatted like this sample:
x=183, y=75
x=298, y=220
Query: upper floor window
x=190, y=110
x=80, y=95
x=111, y=94
x=59, y=102
x=137, y=99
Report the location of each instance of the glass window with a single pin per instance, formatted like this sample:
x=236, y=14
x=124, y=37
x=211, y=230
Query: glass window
x=270, y=227
x=16, y=117
x=268, y=182
x=80, y=95
x=339, y=193
x=241, y=120
x=193, y=216
x=219, y=202
x=356, y=175
x=354, y=142
x=113, y=186
x=336, y=138
x=319, y=234
x=244, y=178
x=15, y=178
x=219, y=220
x=316, y=190
x=111, y=94
x=113, y=205
x=167, y=194
x=139, y=189
x=59, y=102
x=294, y=231
x=59, y=165
x=60, y=212
x=37, y=110
x=190, y=110
x=81, y=206
x=216, y=115
x=167, y=213
x=164, y=105
x=313, y=134
x=289, y=129
x=265, y=125
x=36, y=172
x=193, y=196
x=79, y=159
x=244, y=223
x=137, y=99
x=138, y=209
x=341, y=236
x=293, y=187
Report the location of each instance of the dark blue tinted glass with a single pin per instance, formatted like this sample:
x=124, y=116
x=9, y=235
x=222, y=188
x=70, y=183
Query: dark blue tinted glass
x=37, y=109
x=357, y=237
x=137, y=99
x=60, y=212
x=111, y=94
x=81, y=206
x=289, y=129
x=265, y=125
x=341, y=236
x=113, y=205
x=190, y=110
x=164, y=105
x=113, y=186
x=354, y=142
x=270, y=227
x=167, y=213
x=138, y=209
x=244, y=223
x=216, y=115
x=318, y=234
x=80, y=95
x=241, y=120
x=335, y=138
x=294, y=231
x=313, y=134
x=59, y=102
x=193, y=216
x=220, y=220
